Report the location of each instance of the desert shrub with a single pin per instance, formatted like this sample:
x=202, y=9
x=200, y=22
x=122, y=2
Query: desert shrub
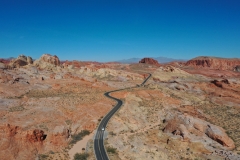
x=81, y=156
x=112, y=133
x=42, y=156
x=79, y=136
x=111, y=150
x=17, y=108
x=68, y=122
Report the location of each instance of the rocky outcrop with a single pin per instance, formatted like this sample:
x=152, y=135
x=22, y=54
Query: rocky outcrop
x=5, y=77
x=149, y=61
x=29, y=60
x=185, y=125
x=36, y=136
x=220, y=83
x=214, y=63
x=18, y=63
x=2, y=66
x=22, y=60
x=237, y=68
x=47, y=61
x=50, y=59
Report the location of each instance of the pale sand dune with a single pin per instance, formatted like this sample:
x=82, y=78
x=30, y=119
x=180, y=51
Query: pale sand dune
x=77, y=148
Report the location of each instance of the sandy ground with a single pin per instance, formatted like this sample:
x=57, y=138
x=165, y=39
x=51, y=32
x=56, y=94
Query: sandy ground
x=77, y=148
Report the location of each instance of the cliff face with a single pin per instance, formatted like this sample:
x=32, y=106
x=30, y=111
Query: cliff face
x=214, y=63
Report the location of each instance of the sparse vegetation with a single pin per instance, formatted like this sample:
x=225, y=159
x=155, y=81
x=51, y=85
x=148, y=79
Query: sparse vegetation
x=112, y=133
x=17, y=108
x=79, y=136
x=68, y=122
x=81, y=156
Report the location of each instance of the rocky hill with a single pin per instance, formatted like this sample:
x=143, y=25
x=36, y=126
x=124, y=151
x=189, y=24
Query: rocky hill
x=214, y=63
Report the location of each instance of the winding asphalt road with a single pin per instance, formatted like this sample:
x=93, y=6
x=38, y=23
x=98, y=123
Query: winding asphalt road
x=100, y=152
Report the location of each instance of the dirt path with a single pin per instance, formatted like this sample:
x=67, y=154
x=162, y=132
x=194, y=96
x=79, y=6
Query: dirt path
x=77, y=148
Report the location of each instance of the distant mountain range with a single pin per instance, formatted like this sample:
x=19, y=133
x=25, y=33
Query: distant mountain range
x=159, y=59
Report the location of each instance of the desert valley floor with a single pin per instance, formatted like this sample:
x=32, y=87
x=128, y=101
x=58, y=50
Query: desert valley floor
x=186, y=110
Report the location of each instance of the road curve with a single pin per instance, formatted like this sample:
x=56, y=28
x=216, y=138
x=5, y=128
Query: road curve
x=100, y=152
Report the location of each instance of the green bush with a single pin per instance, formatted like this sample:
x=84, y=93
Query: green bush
x=42, y=156
x=111, y=150
x=79, y=136
x=81, y=156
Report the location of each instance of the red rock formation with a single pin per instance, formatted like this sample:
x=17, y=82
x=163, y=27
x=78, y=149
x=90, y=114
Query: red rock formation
x=149, y=61
x=214, y=63
x=5, y=61
x=36, y=136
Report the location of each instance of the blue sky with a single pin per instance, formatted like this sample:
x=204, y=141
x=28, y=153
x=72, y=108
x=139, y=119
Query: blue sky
x=108, y=30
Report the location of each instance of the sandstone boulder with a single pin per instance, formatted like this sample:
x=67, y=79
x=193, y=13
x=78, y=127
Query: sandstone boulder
x=50, y=59
x=184, y=125
x=218, y=134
